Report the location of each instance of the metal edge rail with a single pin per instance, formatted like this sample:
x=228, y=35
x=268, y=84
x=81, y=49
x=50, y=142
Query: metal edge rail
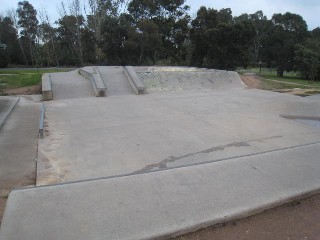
x=41, y=122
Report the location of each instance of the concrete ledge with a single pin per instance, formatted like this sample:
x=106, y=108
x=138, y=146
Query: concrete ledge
x=96, y=80
x=102, y=89
x=136, y=84
x=47, y=93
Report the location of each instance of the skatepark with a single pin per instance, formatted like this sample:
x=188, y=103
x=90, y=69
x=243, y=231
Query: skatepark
x=155, y=152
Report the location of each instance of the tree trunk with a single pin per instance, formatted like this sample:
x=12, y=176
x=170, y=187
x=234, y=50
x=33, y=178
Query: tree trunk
x=54, y=49
x=22, y=50
x=31, y=53
x=140, y=58
x=48, y=55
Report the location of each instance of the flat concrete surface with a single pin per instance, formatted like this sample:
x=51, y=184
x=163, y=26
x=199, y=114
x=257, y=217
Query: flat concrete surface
x=133, y=134
x=116, y=81
x=162, y=204
x=6, y=106
x=70, y=85
x=315, y=97
x=18, y=147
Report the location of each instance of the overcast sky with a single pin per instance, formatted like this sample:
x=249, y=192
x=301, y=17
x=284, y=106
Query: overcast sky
x=308, y=9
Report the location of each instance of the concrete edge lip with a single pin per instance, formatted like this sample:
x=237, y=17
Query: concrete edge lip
x=244, y=213
x=7, y=113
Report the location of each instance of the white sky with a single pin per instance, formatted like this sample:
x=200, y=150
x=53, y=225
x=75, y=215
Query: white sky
x=308, y=9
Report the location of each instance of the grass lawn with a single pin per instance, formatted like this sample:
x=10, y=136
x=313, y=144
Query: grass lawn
x=10, y=79
x=289, y=77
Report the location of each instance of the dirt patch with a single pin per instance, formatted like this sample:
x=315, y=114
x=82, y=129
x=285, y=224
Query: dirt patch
x=252, y=81
x=294, y=221
x=35, y=89
x=7, y=186
x=3, y=201
x=257, y=82
x=299, y=92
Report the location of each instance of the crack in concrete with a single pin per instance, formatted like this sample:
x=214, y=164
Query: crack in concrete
x=163, y=164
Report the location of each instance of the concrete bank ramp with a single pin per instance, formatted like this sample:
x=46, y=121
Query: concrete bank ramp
x=69, y=85
x=116, y=81
x=183, y=79
x=162, y=204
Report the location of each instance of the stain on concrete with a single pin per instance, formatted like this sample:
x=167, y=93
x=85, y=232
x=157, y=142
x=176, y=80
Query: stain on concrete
x=300, y=117
x=163, y=164
x=307, y=120
x=51, y=168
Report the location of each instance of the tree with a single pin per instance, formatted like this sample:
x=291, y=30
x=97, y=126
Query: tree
x=8, y=35
x=71, y=25
x=219, y=40
x=308, y=59
x=261, y=25
x=171, y=19
x=203, y=26
x=286, y=31
x=150, y=40
x=13, y=15
x=47, y=35
x=28, y=23
x=315, y=33
x=99, y=10
x=112, y=40
x=70, y=39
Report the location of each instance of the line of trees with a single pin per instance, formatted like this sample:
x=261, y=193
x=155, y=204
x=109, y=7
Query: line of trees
x=149, y=32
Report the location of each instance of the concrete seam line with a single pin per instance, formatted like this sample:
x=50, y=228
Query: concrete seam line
x=169, y=169
x=9, y=112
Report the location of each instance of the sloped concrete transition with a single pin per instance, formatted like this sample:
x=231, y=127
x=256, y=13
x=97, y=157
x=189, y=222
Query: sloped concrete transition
x=197, y=149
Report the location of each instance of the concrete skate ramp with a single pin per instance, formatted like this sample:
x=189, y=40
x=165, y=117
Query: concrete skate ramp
x=184, y=79
x=116, y=81
x=69, y=85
